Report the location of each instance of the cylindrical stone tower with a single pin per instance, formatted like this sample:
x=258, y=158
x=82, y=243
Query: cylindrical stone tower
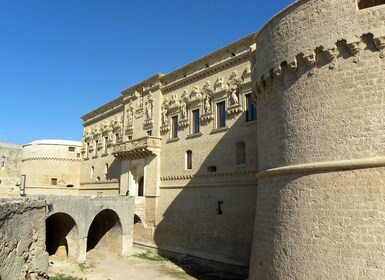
x=319, y=83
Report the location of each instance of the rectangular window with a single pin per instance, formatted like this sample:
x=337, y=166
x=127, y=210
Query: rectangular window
x=116, y=138
x=175, y=127
x=221, y=114
x=149, y=132
x=196, y=121
x=189, y=160
x=53, y=181
x=251, y=111
x=129, y=137
x=71, y=149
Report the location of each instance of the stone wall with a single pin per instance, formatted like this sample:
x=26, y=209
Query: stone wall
x=319, y=85
x=22, y=239
x=10, y=161
x=51, y=166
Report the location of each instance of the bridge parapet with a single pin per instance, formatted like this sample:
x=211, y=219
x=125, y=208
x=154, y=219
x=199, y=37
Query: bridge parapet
x=87, y=210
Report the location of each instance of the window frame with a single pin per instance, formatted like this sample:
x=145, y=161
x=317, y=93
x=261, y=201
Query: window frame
x=174, y=127
x=189, y=160
x=196, y=123
x=221, y=114
x=251, y=110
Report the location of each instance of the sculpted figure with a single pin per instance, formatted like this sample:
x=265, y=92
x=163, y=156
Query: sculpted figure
x=149, y=110
x=195, y=93
x=183, y=110
x=140, y=101
x=173, y=97
x=233, y=95
x=164, y=117
x=207, y=105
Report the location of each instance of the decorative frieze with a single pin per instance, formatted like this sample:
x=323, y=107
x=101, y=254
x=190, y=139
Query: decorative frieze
x=204, y=175
x=206, y=117
x=234, y=109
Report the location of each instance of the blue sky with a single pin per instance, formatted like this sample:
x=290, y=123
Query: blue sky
x=60, y=59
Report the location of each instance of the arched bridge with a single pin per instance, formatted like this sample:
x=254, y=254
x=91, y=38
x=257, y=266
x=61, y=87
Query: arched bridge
x=78, y=224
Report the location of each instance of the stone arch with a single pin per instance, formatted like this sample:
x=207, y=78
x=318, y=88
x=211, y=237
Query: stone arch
x=105, y=232
x=61, y=235
x=141, y=231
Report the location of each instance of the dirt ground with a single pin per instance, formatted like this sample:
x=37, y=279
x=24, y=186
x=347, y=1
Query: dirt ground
x=107, y=266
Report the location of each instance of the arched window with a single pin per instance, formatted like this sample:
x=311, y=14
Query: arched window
x=141, y=187
x=363, y=4
x=240, y=153
x=189, y=160
x=92, y=172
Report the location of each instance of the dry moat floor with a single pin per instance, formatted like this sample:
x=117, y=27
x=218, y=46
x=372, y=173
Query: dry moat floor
x=141, y=266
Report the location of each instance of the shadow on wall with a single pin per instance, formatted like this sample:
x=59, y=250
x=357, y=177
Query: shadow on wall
x=105, y=232
x=113, y=171
x=61, y=231
x=211, y=218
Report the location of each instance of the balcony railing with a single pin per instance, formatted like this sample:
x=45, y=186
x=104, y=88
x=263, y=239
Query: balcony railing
x=137, y=148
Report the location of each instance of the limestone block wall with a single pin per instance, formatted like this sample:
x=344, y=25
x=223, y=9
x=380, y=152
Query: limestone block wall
x=22, y=239
x=10, y=162
x=202, y=212
x=319, y=85
x=100, y=170
x=51, y=166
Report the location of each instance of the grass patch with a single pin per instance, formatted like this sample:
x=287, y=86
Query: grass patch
x=65, y=277
x=151, y=257
x=84, y=267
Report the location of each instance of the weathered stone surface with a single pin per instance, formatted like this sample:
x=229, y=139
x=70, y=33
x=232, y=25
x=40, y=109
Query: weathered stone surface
x=22, y=239
x=320, y=144
x=10, y=162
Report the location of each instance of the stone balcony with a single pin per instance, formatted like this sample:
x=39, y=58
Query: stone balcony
x=137, y=148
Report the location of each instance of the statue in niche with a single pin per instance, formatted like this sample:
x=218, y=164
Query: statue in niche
x=149, y=110
x=219, y=83
x=207, y=105
x=173, y=97
x=233, y=98
x=164, y=117
x=130, y=116
x=140, y=101
x=195, y=93
x=183, y=110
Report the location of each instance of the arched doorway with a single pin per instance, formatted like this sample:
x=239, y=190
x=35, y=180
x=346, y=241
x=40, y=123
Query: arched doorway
x=61, y=232
x=141, y=186
x=105, y=232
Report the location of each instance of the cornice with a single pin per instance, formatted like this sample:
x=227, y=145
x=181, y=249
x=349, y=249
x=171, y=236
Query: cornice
x=213, y=174
x=240, y=58
x=52, y=159
x=318, y=167
x=108, y=109
x=150, y=84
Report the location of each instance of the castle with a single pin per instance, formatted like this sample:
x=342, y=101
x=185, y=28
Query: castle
x=265, y=156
